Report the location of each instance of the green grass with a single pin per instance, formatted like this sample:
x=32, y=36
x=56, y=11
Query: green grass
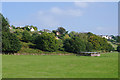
x=55, y=66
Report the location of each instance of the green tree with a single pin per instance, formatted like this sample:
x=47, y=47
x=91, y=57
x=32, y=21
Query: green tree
x=72, y=34
x=99, y=43
x=26, y=37
x=89, y=46
x=118, y=39
x=74, y=45
x=34, y=36
x=118, y=48
x=5, y=24
x=61, y=30
x=47, y=42
x=13, y=26
x=10, y=43
x=60, y=44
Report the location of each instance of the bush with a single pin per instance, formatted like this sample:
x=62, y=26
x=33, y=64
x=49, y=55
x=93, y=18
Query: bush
x=74, y=45
x=46, y=42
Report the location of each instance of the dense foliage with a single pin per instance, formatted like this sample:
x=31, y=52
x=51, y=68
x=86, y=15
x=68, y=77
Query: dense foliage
x=58, y=39
x=46, y=42
x=100, y=43
x=26, y=37
x=74, y=45
x=118, y=48
x=10, y=43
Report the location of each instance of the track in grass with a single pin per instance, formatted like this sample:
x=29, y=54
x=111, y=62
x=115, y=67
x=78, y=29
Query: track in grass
x=55, y=66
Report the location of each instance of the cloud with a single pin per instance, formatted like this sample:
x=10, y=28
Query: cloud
x=47, y=19
x=66, y=12
x=81, y=4
x=53, y=16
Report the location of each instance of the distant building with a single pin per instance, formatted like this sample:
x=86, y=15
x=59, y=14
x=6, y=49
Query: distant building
x=57, y=33
x=10, y=27
x=46, y=30
x=106, y=36
x=31, y=28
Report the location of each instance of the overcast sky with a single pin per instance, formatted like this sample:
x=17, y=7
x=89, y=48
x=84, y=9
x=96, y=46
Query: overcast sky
x=96, y=17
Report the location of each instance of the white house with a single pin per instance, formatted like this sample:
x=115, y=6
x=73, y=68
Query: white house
x=106, y=36
x=10, y=27
x=32, y=29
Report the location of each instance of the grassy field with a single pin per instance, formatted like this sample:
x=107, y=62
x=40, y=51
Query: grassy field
x=55, y=66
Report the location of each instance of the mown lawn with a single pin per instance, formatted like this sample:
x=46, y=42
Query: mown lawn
x=55, y=66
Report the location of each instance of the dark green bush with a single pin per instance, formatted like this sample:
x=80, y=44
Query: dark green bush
x=10, y=43
x=74, y=45
x=46, y=42
x=118, y=48
x=26, y=37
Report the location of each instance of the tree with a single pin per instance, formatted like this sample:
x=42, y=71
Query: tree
x=100, y=43
x=46, y=42
x=89, y=46
x=61, y=30
x=34, y=36
x=26, y=37
x=66, y=37
x=13, y=26
x=54, y=31
x=10, y=43
x=95, y=42
x=72, y=34
x=18, y=33
x=118, y=48
x=60, y=44
x=118, y=39
x=5, y=24
x=74, y=45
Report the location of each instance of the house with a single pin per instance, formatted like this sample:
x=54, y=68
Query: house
x=46, y=30
x=106, y=36
x=57, y=33
x=10, y=27
x=31, y=28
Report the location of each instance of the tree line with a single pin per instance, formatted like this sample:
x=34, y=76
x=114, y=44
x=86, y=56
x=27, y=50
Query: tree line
x=58, y=39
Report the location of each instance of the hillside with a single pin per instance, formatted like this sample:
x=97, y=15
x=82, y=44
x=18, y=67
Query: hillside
x=29, y=48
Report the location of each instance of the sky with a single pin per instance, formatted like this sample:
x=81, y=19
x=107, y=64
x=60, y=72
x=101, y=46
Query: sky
x=100, y=18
